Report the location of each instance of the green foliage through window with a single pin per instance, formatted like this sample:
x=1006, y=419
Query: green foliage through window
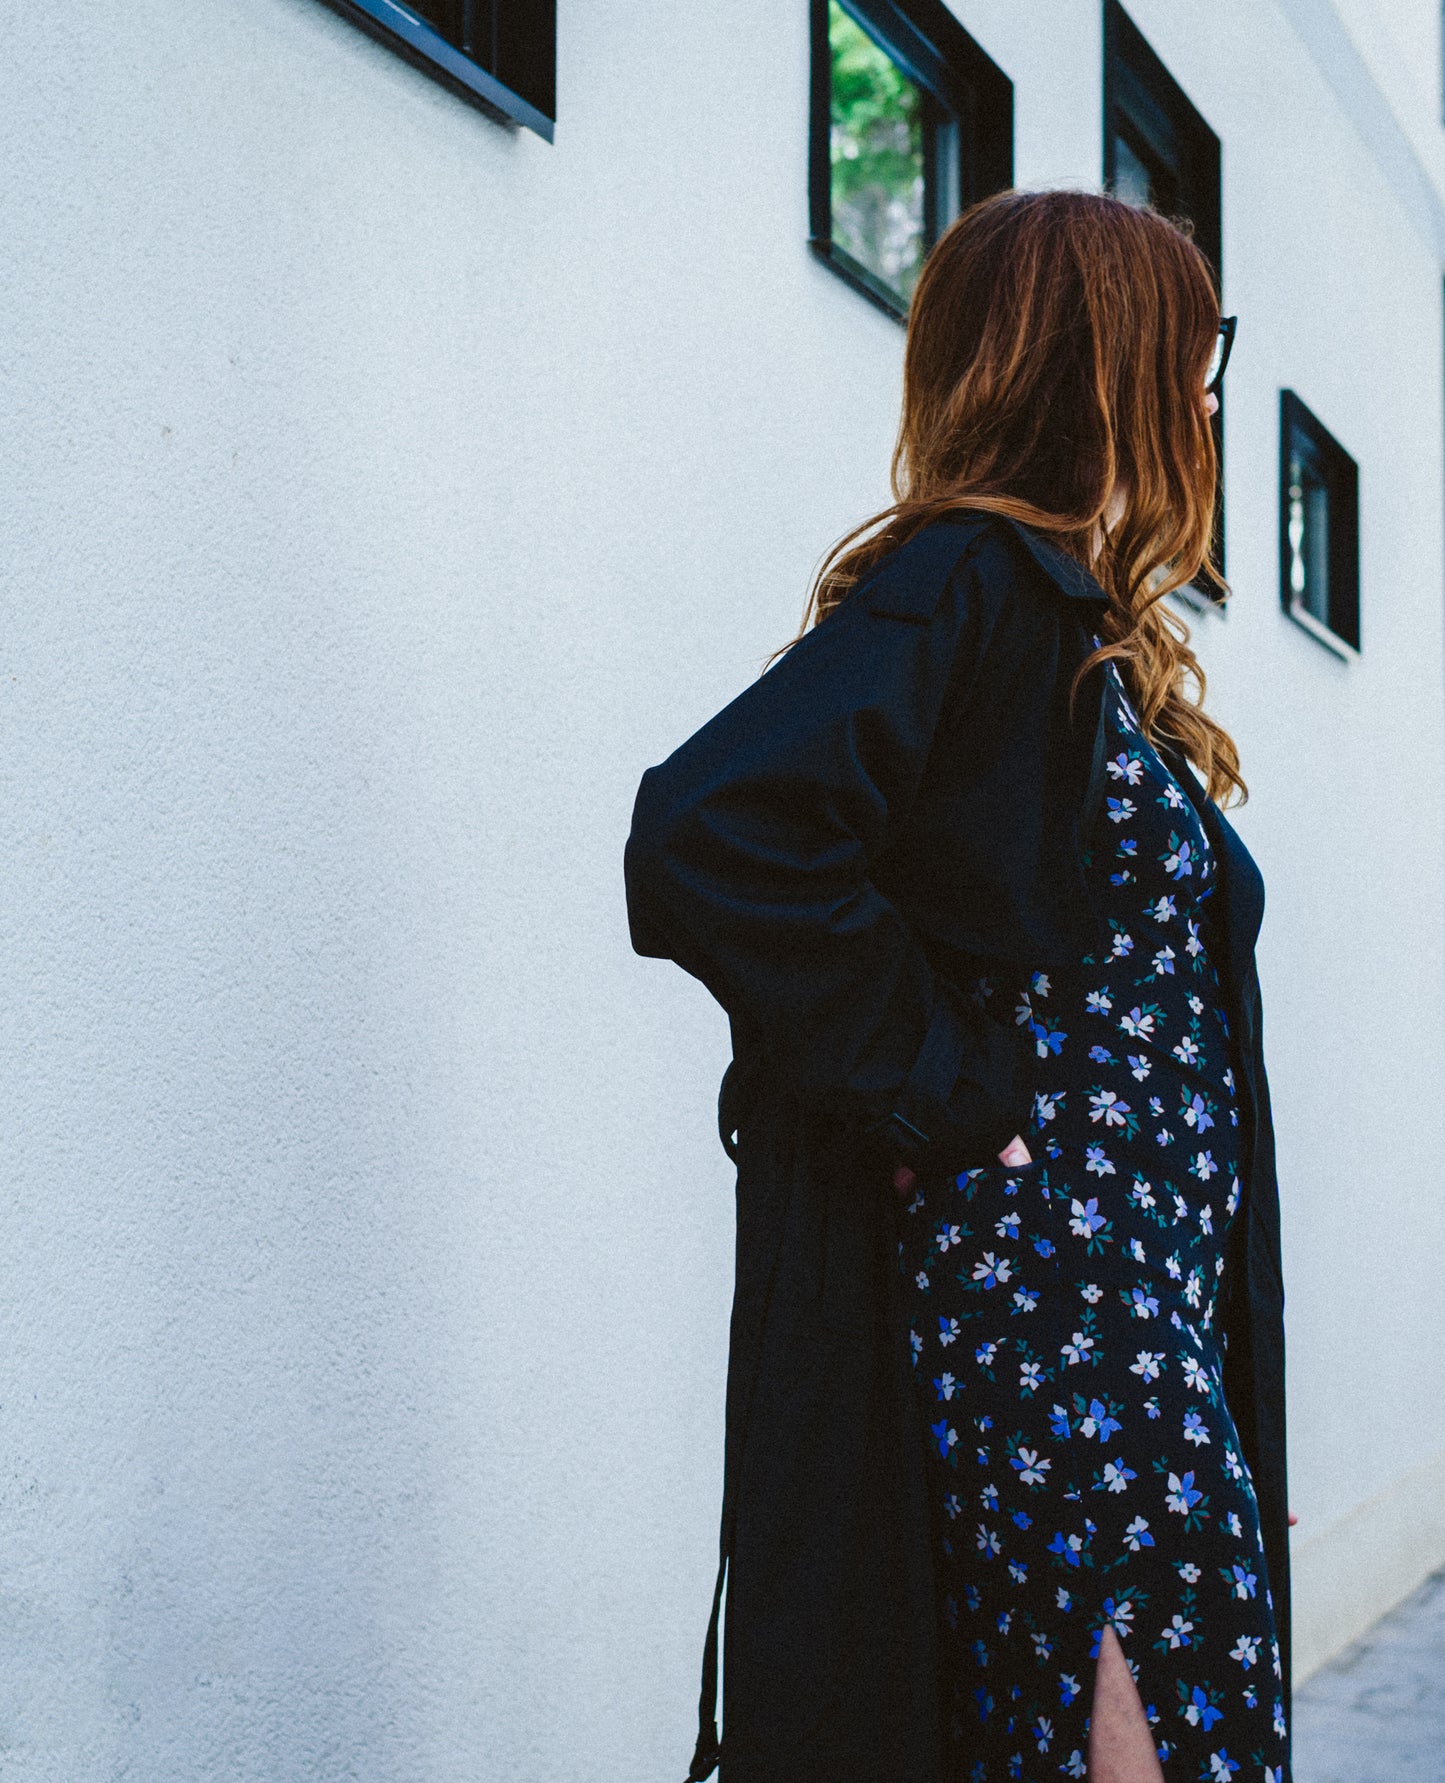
x=876, y=151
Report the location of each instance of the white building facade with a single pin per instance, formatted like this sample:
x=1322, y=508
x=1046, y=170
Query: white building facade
x=386, y=488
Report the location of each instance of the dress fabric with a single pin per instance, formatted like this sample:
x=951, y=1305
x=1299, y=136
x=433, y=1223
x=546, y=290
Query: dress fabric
x=1085, y=1470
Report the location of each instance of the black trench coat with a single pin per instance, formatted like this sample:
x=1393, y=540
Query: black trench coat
x=896, y=805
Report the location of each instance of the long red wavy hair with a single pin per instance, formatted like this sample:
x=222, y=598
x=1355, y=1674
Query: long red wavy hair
x=1058, y=344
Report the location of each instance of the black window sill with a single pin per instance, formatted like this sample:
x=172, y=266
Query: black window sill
x=1322, y=634
x=858, y=276
x=426, y=49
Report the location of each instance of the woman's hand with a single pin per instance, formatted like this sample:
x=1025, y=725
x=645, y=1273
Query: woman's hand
x=1015, y=1152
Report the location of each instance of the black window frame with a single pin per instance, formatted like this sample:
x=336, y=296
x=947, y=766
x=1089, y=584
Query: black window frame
x=957, y=74
x=504, y=62
x=1144, y=103
x=1339, y=472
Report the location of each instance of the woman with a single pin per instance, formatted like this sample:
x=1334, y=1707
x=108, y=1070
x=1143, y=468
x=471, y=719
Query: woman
x=1004, y=1493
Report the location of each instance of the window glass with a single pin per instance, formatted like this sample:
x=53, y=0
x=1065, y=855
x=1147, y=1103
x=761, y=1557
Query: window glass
x=910, y=121
x=1319, y=528
x=876, y=148
x=1309, y=535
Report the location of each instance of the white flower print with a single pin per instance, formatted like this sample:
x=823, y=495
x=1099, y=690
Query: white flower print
x=949, y=1236
x=1137, y=1535
x=1178, y=1632
x=1148, y=1364
x=1186, y=1051
x=1121, y=810
x=988, y=1542
x=1196, y=1005
x=1008, y=1227
x=1163, y=961
x=1099, y=1002
x=1092, y=1292
x=1162, y=909
x=1136, y=1251
x=1138, y=1023
x=991, y=1270
x=1046, y=1107
x=1143, y=1192
x=1031, y=1469
x=1203, y=1166
x=1245, y=1650
x=1127, y=768
x=1117, y=1476
x=1105, y=1106
x=1139, y=1066
x=1195, y=1374
x=1077, y=1348
x=1195, y=1430
x=922, y=1279
x=1085, y=1218
x=1189, y=1572
x=1096, y=1162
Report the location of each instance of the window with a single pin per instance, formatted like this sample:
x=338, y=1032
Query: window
x=499, y=54
x=1319, y=528
x=911, y=122
x=1159, y=151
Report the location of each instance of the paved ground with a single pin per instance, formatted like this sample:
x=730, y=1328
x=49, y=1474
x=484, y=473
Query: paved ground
x=1377, y=1715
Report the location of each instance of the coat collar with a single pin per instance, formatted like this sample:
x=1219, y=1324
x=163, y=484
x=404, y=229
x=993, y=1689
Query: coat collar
x=1066, y=572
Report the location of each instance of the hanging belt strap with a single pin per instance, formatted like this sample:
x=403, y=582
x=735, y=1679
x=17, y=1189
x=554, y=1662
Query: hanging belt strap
x=709, y=1749
x=708, y=1752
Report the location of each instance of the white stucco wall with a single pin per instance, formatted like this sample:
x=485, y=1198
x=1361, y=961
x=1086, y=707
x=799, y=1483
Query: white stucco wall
x=384, y=491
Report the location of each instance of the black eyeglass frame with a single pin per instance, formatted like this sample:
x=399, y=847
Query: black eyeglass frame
x=1227, y=326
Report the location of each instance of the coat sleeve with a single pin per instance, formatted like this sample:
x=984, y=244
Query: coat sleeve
x=749, y=863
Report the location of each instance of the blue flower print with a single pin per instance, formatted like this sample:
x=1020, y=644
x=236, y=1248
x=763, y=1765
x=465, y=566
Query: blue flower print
x=1099, y=1419
x=1178, y=858
x=1240, y=1578
x=1140, y=1302
x=1199, y=1705
x=1197, y=1110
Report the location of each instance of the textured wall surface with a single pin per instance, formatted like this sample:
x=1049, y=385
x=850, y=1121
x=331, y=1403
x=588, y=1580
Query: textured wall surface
x=384, y=491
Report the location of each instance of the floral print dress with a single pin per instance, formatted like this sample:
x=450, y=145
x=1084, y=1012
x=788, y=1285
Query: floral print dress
x=1085, y=1469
